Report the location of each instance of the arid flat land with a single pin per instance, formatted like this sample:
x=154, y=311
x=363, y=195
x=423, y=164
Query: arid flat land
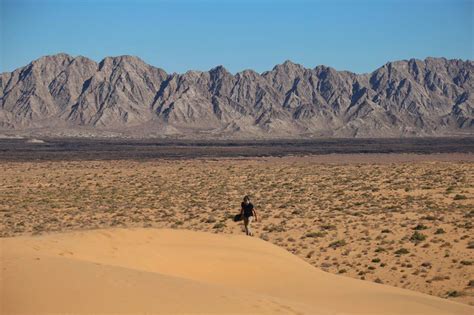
x=73, y=149
x=404, y=220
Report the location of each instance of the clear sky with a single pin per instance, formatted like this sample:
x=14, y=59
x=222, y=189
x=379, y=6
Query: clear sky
x=179, y=35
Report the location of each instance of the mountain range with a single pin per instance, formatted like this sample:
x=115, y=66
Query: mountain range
x=62, y=95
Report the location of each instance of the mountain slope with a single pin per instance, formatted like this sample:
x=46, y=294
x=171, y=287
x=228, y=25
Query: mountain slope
x=61, y=94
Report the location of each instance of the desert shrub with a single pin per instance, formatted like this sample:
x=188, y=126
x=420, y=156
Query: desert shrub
x=218, y=225
x=274, y=228
x=439, y=278
x=459, y=197
x=402, y=251
x=440, y=231
x=450, y=189
x=315, y=234
x=466, y=262
x=420, y=227
x=338, y=243
x=326, y=265
x=297, y=212
x=453, y=293
x=426, y=264
x=376, y=260
x=211, y=219
x=328, y=227
x=417, y=237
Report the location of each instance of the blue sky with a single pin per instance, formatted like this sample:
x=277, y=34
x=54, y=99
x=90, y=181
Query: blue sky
x=178, y=35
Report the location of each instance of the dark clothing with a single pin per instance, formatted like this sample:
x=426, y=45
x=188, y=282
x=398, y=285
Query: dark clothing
x=247, y=209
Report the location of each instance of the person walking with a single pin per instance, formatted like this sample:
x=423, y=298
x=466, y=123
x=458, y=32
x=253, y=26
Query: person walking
x=248, y=213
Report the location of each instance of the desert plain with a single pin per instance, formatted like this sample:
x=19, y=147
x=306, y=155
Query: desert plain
x=398, y=220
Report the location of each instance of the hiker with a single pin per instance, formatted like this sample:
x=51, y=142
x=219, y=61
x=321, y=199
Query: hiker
x=247, y=212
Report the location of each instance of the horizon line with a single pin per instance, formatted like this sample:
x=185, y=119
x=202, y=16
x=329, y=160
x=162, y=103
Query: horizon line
x=235, y=73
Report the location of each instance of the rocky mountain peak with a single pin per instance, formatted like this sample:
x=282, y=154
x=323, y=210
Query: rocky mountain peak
x=60, y=93
x=124, y=61
x=288, y=66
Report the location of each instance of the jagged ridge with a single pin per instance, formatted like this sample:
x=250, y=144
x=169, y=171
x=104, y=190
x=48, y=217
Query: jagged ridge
x=59, y=94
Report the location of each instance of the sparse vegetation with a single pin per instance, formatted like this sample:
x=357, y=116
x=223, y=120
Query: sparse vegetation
x=339, y=217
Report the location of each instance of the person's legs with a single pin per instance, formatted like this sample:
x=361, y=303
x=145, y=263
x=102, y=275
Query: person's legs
x=246, y=225
x=249, y=230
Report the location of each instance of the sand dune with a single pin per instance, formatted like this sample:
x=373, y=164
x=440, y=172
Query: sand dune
x=349, y=215
x=177, y=271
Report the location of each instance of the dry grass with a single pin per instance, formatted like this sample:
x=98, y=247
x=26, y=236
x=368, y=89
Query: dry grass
x=406, y=224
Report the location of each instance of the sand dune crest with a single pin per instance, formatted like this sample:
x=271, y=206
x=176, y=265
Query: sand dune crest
x=178, y=271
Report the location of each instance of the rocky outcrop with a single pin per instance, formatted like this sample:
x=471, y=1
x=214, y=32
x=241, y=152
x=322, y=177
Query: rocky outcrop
x=62, y=94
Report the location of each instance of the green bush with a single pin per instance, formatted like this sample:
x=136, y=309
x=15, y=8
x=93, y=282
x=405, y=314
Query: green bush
x=417, y=237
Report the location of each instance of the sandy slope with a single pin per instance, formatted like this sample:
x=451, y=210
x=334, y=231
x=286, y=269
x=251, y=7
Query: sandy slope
x=178, y=271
